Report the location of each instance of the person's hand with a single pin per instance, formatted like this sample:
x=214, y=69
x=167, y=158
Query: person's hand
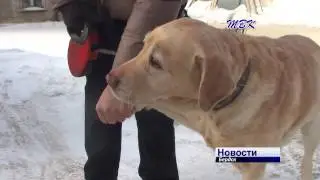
x=110, y=110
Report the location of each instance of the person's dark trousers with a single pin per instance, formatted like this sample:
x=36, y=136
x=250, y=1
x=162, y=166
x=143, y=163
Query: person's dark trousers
x=103, y=142
x=156, y=146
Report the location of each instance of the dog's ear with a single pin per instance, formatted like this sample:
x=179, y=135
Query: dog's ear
x=216, y=80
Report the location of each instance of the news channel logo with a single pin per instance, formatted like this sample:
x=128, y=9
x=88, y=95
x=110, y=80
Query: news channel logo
x=247, y=155
x=241, y=24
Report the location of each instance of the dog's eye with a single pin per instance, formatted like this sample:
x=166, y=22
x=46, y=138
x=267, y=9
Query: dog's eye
x=154, y=63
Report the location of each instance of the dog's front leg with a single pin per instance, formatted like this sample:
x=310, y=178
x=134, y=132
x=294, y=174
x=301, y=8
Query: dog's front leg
x=251, y=171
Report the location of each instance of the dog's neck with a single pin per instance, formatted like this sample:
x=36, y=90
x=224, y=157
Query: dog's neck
x=239, y=87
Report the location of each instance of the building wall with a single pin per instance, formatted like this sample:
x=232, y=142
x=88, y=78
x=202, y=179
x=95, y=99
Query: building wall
x=13, y=11
x=6, y=9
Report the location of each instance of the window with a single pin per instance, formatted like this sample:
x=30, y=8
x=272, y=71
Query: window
x=33, y=3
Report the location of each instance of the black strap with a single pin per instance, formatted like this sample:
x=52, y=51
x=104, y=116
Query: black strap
x=240, y=86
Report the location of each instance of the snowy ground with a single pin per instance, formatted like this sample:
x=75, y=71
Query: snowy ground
x=41, y=118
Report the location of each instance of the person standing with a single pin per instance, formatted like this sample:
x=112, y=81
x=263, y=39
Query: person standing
x=121, y=26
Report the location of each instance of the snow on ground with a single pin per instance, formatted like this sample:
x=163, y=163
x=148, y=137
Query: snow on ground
x=41, y=118
x=281, y=12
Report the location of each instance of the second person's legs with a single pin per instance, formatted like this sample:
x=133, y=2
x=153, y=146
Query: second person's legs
x=157, y=146
x=102, y=142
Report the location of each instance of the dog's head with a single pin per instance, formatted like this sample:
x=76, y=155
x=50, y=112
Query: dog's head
x=182, y=59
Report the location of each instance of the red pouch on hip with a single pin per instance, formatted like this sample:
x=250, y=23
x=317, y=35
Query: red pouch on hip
x=79, y=55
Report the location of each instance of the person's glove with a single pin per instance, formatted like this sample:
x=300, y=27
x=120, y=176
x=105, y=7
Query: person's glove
x=79, y=17
x=73, y=18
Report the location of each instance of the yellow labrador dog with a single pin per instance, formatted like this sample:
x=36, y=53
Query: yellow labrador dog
x=233, y=89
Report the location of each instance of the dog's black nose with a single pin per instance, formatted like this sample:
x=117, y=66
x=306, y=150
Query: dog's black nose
x=113, y=80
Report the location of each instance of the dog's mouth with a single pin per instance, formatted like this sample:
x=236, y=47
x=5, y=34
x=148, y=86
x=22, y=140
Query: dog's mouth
x=129, y=98
x=122, y=96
